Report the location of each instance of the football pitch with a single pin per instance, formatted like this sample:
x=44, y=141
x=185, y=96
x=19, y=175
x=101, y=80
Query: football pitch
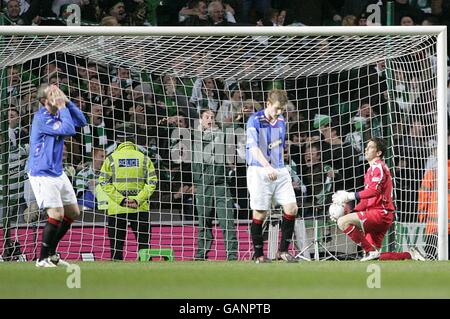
x=217, y=280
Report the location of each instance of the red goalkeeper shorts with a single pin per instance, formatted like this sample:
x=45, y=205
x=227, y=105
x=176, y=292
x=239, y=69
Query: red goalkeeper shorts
x=375, y=224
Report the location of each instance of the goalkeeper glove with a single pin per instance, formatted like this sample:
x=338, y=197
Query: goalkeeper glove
x=341, y=197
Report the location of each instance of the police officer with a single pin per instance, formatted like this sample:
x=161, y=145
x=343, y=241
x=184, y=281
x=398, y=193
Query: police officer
x=129, y=178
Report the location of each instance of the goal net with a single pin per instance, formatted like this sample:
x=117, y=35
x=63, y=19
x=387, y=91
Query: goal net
x=343, y=88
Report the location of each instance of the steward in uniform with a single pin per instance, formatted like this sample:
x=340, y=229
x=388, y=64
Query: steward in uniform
x=128, y=177
x=428, y=210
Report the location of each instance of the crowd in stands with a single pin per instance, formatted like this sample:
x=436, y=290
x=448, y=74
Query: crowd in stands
x=329, y=118
x=231, y=12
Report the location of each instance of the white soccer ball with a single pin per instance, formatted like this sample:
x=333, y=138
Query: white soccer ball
x=336, y=211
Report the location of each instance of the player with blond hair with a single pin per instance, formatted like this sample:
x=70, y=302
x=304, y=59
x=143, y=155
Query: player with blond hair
x=55, y=119
x=268, y=180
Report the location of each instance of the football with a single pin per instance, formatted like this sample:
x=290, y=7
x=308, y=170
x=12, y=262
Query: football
x=336, y=211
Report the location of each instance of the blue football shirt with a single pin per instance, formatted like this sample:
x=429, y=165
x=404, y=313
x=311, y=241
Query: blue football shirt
x=47, y=139
x=268, y=137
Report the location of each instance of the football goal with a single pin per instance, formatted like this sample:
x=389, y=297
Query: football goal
x=345, y=85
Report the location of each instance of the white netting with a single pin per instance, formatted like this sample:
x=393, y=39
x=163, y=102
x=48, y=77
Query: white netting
x=342, y=90
x=239, y=57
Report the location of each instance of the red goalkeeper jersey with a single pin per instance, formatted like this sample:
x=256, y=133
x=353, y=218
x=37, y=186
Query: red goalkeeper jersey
x=377, y=193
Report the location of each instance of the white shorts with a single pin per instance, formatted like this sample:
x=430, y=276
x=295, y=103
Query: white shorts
x=264, y=192
x=53, y=192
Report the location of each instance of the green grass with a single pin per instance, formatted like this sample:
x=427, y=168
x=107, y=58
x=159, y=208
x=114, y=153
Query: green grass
x=405, y=279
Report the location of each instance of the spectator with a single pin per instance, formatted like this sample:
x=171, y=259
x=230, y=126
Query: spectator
x=78, y=78
x=77, y=97
x=51, y=69
x=96, y=134
x=175, y=100
x=206, y=94
x=362, y=19
x=27, y=102
x=13, y=12
x=237, y=170
x=38, y=10
x=32, y=213
x=281, y=19
x=14, y=202
x=294, y=170
x=23, y=5
x=90, y=11
x=128, y=178
x=115, y=100
x=123, y=77
x=210, y=188
x=218, y=16
x=319, y=179
x=229, y=10
x=230, y=13
x=403, y=8
x=138, y=16
x=93, y=70
x=14, y=80
x=424, y=5
x=416, y=144
x=270, y=18
x=412, y=150
x=336, y=152
x=143, y=93
x=366, y=123
x=89, y=192
x=183, y=195
x=115, y=8
x=292, y=115
x=138, y=118
x=194, y=13
x=176, y=187
x=164, y=118
x=95, y=90
x=17, y=134
x=231, y=107
x=248, y=107
x=407, y=21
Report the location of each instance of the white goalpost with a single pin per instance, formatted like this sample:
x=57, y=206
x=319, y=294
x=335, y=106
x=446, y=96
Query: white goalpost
x=345, y=84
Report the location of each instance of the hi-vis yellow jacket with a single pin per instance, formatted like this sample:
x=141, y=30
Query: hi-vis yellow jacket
x=128, y=173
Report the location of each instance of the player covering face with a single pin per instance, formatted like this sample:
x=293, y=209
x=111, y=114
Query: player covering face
x=57, y=118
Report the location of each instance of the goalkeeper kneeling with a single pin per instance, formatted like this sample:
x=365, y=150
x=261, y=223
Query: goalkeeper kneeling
x=373, y=213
